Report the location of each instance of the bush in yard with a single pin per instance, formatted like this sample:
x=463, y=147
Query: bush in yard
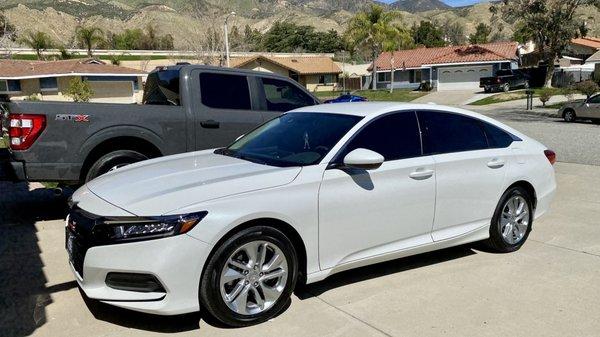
x=545, y=95
x=588, y=88
x=79, y=90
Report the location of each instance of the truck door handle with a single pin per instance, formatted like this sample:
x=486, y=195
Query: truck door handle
x=495, y=163
x=421, y=174
x=210, y=124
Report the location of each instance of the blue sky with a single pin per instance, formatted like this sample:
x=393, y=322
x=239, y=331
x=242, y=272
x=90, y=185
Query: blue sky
x=454, y=3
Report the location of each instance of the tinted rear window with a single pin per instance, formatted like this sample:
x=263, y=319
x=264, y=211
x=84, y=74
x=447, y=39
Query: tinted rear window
x=224, y=91
x=162, y=88
x=447, y=132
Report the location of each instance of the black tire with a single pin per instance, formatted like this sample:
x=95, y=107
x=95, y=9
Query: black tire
x=210, y=292
x=569, y=115
x=526, y=85
x=496, y=242
x=113, y=159
x=487, y=90
x=506, y=87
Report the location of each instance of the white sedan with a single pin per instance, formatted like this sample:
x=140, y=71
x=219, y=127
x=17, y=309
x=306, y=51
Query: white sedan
x=313, y=192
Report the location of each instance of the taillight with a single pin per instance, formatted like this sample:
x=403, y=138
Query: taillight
x=23, y=130
x=551, y=156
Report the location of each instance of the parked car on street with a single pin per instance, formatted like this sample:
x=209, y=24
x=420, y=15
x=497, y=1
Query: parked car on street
x=308, y=194
x=347, y=98
x=505, y=80
x=581, y=109
x=186, y=108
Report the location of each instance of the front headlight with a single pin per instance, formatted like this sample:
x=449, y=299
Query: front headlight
x=134, y=229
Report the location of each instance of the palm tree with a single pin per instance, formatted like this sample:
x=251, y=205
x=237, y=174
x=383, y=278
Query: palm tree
x=377, y=30
x=89, y=37
x=39, y=41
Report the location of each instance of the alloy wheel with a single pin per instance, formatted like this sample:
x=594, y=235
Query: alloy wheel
x=254, y=277
x=514, y=220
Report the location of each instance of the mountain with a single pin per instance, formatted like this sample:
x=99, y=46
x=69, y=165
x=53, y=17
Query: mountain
x=416, y=6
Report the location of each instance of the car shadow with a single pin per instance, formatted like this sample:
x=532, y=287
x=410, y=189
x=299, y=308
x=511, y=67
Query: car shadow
x=383, y=269
x=23, y=291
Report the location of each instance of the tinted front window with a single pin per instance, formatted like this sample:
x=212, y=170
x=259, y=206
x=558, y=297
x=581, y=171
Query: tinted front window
x=284, y=96
x=223, y=91
x=594, y=99
x=497, y=138
x=447, y=132
x=393, y=136
x=162, y=88
x=295, y=139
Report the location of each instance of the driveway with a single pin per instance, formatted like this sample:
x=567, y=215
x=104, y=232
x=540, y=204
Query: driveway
x=452, y=98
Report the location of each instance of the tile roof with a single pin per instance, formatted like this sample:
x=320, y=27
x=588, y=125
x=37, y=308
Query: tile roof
x=591, y=42
x=16, y=69
x=302, y=65
x=415, y=58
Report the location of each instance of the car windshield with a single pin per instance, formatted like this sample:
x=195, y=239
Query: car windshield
x=294, y=139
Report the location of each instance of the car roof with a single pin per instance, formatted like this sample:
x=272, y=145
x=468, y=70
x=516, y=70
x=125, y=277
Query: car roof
x=364, y=109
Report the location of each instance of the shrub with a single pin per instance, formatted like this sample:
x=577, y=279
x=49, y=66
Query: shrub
x=425, y=86
x=545, y=95
x=588, y=88
x=79, y=90
x=32, y=97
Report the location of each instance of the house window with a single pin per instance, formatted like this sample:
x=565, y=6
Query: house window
x=48, y=84
x=326, y=79
x=418, y=76
x=384, y=77
x=10, y=86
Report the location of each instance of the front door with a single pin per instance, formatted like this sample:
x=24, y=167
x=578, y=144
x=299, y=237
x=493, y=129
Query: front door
x=590, y=109
x=225, y=110
x=367, y=213
x=469, y=172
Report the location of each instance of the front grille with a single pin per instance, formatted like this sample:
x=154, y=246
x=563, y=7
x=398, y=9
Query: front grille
x=79, y=228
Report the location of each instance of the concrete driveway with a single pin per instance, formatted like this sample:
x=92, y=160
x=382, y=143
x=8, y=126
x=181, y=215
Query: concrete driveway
x=452, y=98
x=551, y=287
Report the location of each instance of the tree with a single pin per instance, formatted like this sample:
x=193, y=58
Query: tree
x=427, y=34
x=454, y=33
x=587, y=88
x=89, y=38
x=551, y=24
x=545, y=95
x=377, y=30
x=38, y=41
x=288, y=37
x=6, y=28
x=79, y=90
x=482, y=32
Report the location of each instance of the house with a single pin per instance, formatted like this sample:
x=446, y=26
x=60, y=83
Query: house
x=316, y=73
x=48, y=80
x=357, y=76
x=583, y=47
x=446, y=68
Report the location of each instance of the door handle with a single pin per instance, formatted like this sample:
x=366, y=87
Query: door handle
x=421, y=174
x=210, y=124
x=496, y=163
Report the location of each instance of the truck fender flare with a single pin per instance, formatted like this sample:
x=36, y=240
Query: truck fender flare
x=120, y=131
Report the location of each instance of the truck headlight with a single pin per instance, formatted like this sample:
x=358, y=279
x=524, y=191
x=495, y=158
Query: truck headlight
x=146, y=228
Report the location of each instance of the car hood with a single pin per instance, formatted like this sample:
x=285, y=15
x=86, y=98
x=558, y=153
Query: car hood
x=162, y=185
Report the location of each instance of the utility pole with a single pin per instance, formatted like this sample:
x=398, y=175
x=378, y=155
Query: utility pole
x=227, y=37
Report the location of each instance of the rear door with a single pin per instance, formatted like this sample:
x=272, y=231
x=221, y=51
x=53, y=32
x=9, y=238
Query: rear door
x=469, y=172
x=278, y=95
x=226, y=108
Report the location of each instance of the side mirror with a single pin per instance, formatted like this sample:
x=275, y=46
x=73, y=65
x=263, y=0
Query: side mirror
x=363, y=159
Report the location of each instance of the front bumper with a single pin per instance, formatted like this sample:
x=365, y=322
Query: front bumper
x=176, y=262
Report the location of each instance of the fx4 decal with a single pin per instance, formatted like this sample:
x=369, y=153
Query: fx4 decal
x=73, y=118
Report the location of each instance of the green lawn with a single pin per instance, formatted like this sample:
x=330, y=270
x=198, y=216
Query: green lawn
x=554, y=106
x=512, y=95
x=399, y=95
x=2, y=143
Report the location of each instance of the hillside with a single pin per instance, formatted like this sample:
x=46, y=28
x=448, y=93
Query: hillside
x=187, y=21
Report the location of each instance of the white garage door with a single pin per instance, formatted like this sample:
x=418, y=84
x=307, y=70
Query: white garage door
x=462, y=78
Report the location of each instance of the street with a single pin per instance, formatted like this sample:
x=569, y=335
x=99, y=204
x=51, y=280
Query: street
x=551, y=287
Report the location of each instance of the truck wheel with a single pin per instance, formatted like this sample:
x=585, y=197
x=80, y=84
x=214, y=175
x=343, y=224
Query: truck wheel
x=526, y=85
x=506, y=87
x=113, y=160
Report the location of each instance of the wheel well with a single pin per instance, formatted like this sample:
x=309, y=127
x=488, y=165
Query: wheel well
x=283, y=226
x=119, y=143
x=567, y=109
x=528, y=187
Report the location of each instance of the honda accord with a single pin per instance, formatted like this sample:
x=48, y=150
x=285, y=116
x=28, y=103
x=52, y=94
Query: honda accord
x=310, y=193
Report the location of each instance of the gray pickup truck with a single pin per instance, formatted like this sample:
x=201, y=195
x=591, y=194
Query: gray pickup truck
x=185, y=108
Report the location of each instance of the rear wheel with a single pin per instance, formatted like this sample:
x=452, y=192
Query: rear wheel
x=112, y=161
x=250, y=277
x=569, y=115
x=512, y=221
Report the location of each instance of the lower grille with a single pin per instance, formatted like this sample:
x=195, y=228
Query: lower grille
x=78, y=239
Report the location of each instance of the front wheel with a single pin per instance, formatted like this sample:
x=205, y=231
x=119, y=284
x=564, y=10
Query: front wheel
x=569, y=115
x=512, y=221
x=526, y=85
x=506, y=87
x=250, y=277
